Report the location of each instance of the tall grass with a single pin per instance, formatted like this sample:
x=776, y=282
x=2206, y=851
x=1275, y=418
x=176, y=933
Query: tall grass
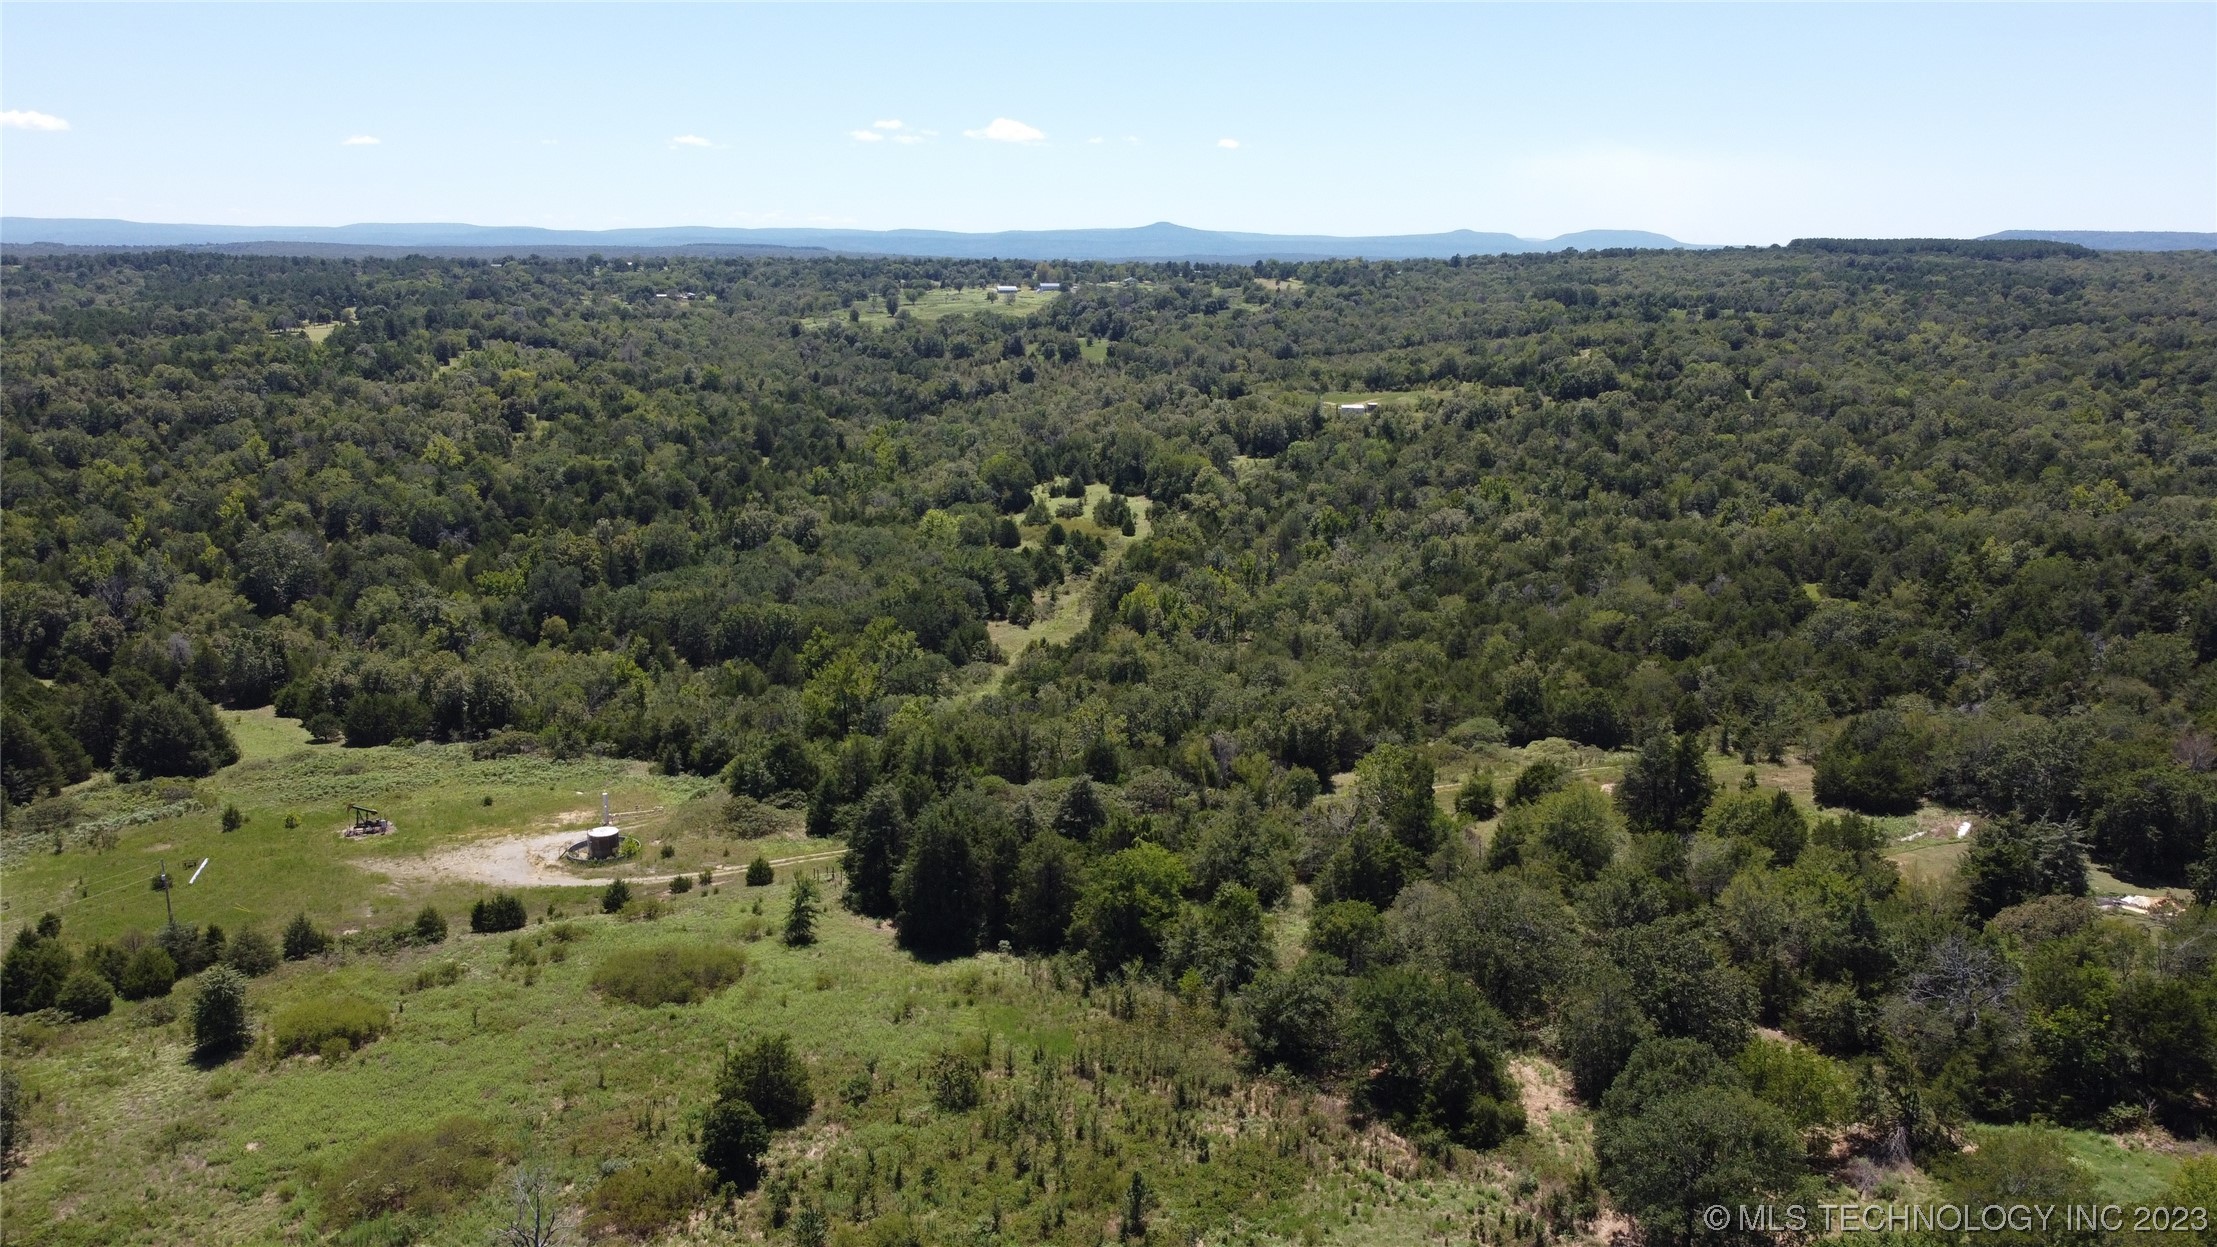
x=426, y=1172
x=318, y=1025
x=670, y=973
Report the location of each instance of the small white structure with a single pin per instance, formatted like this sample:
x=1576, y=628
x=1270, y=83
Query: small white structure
x=1356, y=409
x=1049, y=285
x=603, y=841
x=1006, y=289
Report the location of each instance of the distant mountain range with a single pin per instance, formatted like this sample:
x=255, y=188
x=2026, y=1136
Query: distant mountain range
x=1160, y=241
x=2113, y=240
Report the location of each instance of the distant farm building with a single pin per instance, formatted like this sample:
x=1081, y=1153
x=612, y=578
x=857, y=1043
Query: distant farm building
x=1356, y=409
x=1050, y=285
x=1006, y=289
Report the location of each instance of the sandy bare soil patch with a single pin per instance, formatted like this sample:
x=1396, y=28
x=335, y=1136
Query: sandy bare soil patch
x=535, y=861
x=532, y=861
x=1543, y=1088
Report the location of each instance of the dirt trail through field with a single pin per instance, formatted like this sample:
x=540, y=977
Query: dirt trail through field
x=533, y=861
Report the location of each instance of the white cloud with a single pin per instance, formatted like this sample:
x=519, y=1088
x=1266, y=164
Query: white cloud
x=1227, y=143
x=894, y=129
x=360, y=140
x=25, y=119
x=1004, y=130
x=691, y=140
x=1096, y=139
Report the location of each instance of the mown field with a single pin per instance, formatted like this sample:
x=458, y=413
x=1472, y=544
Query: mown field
x=437, y=796
x=934, y=305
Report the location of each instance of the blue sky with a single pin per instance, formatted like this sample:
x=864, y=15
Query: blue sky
x=1731, y=123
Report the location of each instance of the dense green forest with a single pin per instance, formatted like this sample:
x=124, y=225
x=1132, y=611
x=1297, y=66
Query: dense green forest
x=1939, y=522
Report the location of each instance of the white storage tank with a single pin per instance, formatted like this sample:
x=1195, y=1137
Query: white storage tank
x=603, y=841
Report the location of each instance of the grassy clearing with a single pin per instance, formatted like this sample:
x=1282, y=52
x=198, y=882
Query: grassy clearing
x=1069, y=610
x=133, y=1143
x=2129, y=1169
x=2102, y=883
x=438, y=797
x=937, y=304
x=261, y=734
x=1927, y=863
x=1386, y=399
x=1065, y=616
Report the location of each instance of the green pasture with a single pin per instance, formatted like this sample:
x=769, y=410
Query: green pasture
x=943, y=302
x=2126, y=1168
x=133, y=1142
x=438, y=797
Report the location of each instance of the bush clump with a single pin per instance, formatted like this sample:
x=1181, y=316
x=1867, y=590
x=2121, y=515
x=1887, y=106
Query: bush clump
x=800, y=920
x=617, y=895
x=1476, y=797
x=771, y=1077
x=303, y=939
x=311, y=1025
x=423, y=1172
x=251, y=953
x=732, y=1142
x=438, y=974
x=502, y=912
x=219, y=1022
x=149, y=972
x=761, y=1086
x=1877, y=764
x=760, y=874
x=955, y=1085
x=36, y=967
x=85, y=995
x=669, y=974
x=430, y=926
x=1536, y=781
x=643, y=1199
